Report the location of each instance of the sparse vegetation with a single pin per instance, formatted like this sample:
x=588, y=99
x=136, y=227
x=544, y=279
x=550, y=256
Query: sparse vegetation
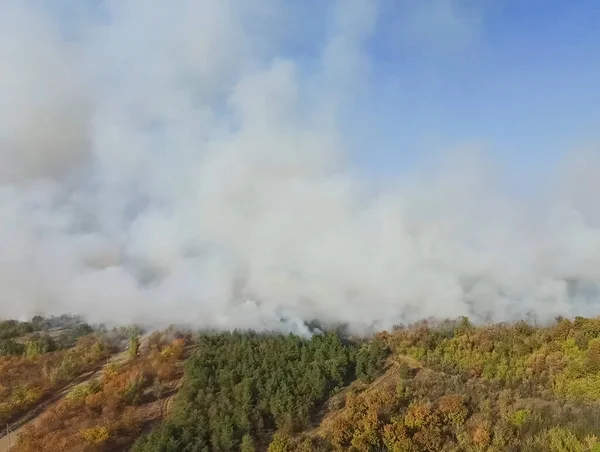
x=108, y=413
x=27, y=379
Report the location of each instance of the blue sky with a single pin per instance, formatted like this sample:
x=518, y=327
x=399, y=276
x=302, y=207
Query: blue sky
x=521, y=77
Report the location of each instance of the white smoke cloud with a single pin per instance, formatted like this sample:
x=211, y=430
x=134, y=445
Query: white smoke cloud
x=171, y=163
x=43, y=103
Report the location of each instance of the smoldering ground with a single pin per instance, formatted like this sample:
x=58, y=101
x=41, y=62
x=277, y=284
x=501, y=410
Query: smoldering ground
x=174, y=162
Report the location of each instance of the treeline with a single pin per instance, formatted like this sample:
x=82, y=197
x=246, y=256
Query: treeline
x=32, y=338
x=242, y=387
x=12, y=328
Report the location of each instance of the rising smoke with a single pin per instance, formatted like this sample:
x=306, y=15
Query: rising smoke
x=167, y=162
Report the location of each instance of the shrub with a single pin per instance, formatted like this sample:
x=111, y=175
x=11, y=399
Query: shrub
x=9, y=347
x=80, y=392
x=95, y=435
x=519, y=417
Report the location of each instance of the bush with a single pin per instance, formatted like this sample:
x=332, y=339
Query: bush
x=80, y=392
x=95, y=435
x=38, y=345
x=9, y=347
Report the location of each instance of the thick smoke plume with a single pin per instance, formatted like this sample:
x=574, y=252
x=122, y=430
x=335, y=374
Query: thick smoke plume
x=170, y=162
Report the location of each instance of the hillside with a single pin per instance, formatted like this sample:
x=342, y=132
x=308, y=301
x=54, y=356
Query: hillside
x=426, y=387
x=448, y=386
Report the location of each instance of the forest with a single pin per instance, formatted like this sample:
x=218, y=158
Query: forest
x=240, y=388
x=430, y=386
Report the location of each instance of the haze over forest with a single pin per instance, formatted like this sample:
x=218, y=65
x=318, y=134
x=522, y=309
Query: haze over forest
x=184, y=162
